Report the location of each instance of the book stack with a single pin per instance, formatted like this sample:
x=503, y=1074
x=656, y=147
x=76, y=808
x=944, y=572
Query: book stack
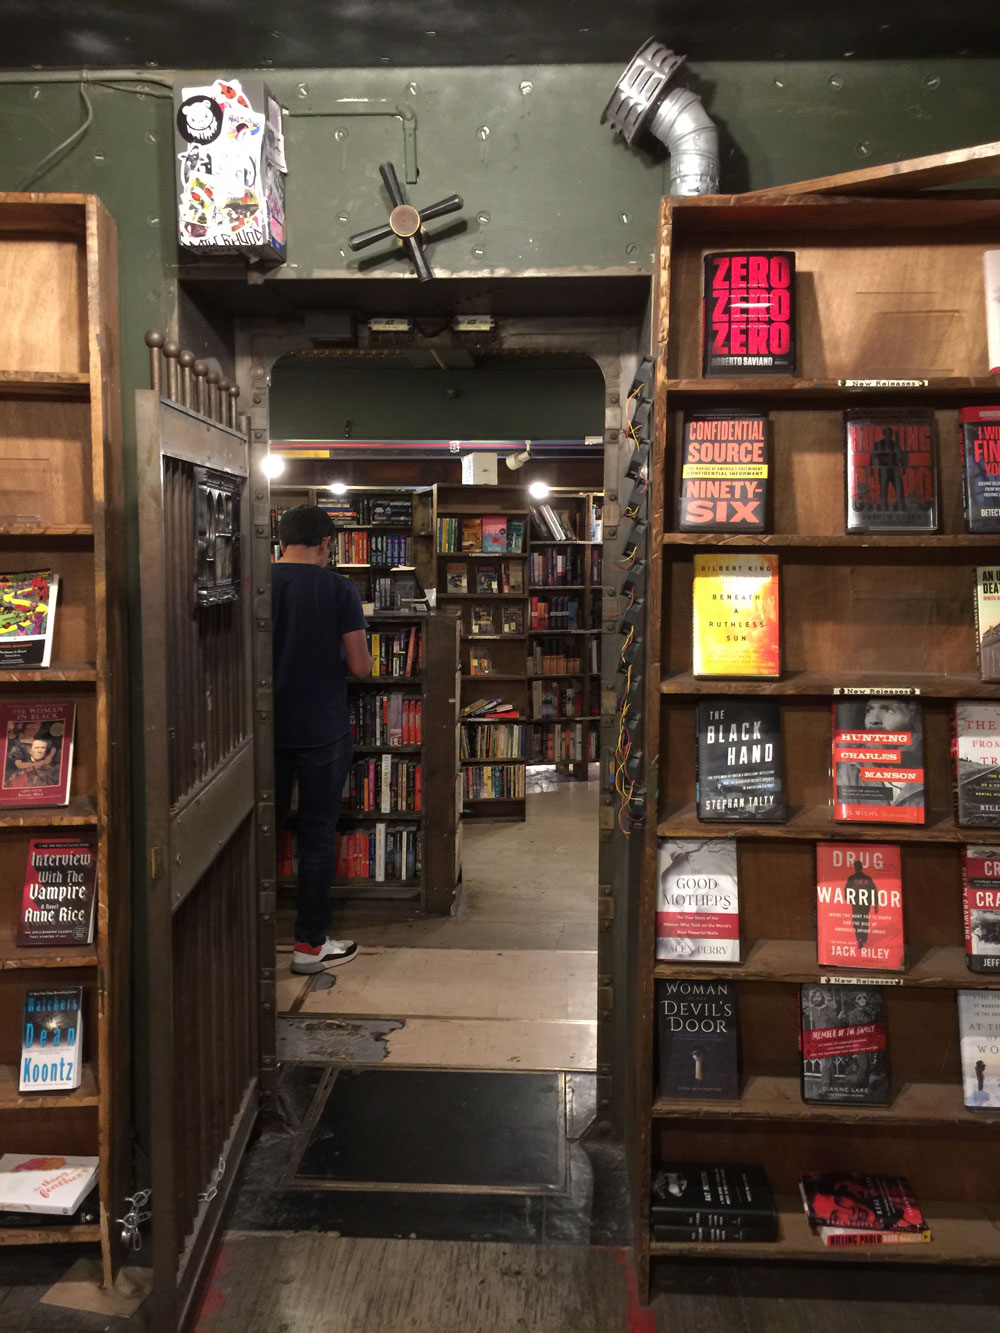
x=847, y=1209
x=706, y=1202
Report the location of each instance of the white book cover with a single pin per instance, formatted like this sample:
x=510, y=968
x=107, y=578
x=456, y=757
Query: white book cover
x=52, y=1040
x=395, y=718
x=45, y=1183
x=386, y=802
x=380, y=852
x=698, y=901
x=979, y=1031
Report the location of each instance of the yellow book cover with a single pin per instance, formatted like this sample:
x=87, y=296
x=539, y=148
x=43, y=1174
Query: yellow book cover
x=736, y=615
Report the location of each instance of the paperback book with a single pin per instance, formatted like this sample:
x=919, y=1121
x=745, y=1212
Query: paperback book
x=52, y=1040
x=980, y=433
x=891, y=472
x=981, y=907
x=705, y=1201
x=37, y=740
x=57, y=902
x=738, y=760
x=988, y=621
x=979, y=1041
x=494, y=533
x=976, y=752
x=698, y=1040
x=748, y=321
x=725, y=473
x=457, y=578
x=735, y=604
x=487, y=579
x=472, y=535
x=482, y=620
x=846, y=1209
x=843, y=1044
x=698, y=903
x=859, y=905
x=45, y=1183
x=878, y=760
x=27, y=617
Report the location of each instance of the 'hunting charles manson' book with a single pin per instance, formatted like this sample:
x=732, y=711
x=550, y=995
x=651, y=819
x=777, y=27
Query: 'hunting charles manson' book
x=738, y=759
x=878, y=760
x=859, y=905
x=980, y=431
x=725, y=470
x=891, y=472
x=979, y=1043
x=749, y=313
x=698, y=902
x=843, y=1041
x=57, y=906
x=976, y=753
x=988, y=621
x=981, y=907
x=735, y=615
x=698, y=1039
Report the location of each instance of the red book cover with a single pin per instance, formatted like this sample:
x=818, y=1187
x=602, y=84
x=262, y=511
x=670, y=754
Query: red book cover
x=748, y=323
x=981, y=907
x=878, y=760
x=37, y=752
x=864, y=1203
x=859, y=905
x=57, y=905
x=724, y=473
x=891, y=472
x=418, y=783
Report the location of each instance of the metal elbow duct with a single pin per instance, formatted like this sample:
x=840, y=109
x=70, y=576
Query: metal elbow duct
x=644, y=99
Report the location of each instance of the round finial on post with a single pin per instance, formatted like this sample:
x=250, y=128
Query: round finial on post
x=233, y=416
x=186, y=361
x=154, y=341
x=200, y=369
x=212, y=379
x=222, y=388
x=171, y=351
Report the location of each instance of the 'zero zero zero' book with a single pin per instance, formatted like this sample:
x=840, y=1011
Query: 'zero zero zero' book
x=981, y=907
x=698, y=1039
x=698, y=903
x=748, y=323
x=725, y=467
x=891, y=472
x=843, y=1041
x=859, y=905
x=976, y=747
x=735, y=606
x=878, y=760
x=738, y=760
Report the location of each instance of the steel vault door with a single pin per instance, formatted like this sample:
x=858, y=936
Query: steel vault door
x=202, y=958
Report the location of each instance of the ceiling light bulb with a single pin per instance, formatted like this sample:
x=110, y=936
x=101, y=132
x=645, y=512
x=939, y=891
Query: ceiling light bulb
x=338, y=487
x=539, y=490
x=272, y=465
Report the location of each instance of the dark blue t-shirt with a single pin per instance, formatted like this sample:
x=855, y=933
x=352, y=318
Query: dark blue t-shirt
x=312, y=608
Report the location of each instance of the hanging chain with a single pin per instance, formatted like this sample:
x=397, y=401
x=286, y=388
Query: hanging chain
x=134, y=1218
x=220, y=1172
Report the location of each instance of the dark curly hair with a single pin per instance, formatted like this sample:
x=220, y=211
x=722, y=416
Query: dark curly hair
x=305, y=525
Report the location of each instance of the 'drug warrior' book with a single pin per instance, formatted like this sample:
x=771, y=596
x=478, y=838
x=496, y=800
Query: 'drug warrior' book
x=748, y=321
x=859, y=905
x=891, y=472
x=988, y=621
x=37, y=741
x=57, y=904
x=725, y=471
x=979, y=1040
x=27, y=617
x=698, y=1040
x=52, y=1040
x=842, y=1042
x=976, y=752
x=698, y=901
x=878, y=760
x=981, y=907
x=718, y=1202
x=980, y=432
x=738, y=760
x=861, y=1209
x=735, y=607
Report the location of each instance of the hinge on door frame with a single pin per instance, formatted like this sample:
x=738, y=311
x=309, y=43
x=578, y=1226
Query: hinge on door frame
x=156, y=862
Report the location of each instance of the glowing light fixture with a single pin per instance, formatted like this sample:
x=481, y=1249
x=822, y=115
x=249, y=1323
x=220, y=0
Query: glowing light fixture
x=272, y=465
x=338, y=487
x=539, y=490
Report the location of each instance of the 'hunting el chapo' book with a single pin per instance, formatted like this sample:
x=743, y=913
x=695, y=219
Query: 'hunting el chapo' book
x=749, y=313
x=891, y=472
x=698, y=1040
x=738, y=760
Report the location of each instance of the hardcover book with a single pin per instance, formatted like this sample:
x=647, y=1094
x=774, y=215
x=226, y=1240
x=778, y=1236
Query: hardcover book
x=735, y=604
x=725, y=471
x=988, y=621
x=513, y=619
x=57, y=903
x=859, y=905
x=981, y=907
x=878, y=760
x=37, y=740
x=27, y=617
x=494, y=533
x=891, y=472
x=980, y=431
x=979, y=1040
x=45, y=1183
x=513, y=576
x=698, y=903
x=874, y=1204
x=722, y=1199
x=457, y=578
x=487, y=580
x=748, y=322
x=976, y=752
x=482, y=619
x=843, y=1044
x=738, y=759
x=52, y=1040
x=472, y=535
x=698, y=1040
x=515, y=535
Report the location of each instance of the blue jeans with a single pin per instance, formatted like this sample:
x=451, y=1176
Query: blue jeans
x=321, y=771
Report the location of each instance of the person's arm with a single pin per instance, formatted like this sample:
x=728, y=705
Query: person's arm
x=356, y=654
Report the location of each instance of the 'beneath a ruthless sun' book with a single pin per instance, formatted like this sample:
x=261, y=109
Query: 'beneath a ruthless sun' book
x=735, y=601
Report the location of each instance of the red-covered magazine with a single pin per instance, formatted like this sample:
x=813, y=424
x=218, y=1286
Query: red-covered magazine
x=37, y=739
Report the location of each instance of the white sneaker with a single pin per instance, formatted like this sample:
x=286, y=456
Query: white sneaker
x=319, y=957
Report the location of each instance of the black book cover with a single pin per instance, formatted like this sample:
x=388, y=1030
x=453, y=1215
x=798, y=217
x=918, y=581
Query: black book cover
x=843, y=1044
x=725, y=473
x=976, y=750
x=891, y=472
x=718, y=1235
x=980, y=431
x=706, y=1195
x=739, y=760
x=698, y=1039
x=748, y=324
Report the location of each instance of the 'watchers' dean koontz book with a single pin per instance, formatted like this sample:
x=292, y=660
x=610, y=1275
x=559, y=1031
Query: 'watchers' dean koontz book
x=976, y=751
x=878, y=760
x=698, y=901
x=739, y=760
x=698, y=1040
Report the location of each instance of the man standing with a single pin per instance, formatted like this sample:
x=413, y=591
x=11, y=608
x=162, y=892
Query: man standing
x=318, y=631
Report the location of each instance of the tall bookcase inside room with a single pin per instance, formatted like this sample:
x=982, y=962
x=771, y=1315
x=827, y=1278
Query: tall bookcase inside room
x=61, y=509
x=886, y=289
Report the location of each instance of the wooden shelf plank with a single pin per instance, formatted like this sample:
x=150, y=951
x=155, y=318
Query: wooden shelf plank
x=477, y=763
x=860, y=540
x=548, y=633
x=826, y=682
x=811, y=822
x=58, y=671
x=482, y=555
x=480, y=511
x=481, y=596
x=387, y=680
x=387, y=749
x=477, y=638
x=562, y=675
x=11, y=1099
x=46, y=383
x=80, y=810
x=55, y=532
x=564, y=541
x=54, y=1235
x=14, y=958
x=779, y=387
x=378, y=816
x=493, y=675
x=557, y=587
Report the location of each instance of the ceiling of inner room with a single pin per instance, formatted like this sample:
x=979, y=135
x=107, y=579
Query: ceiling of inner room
x=201, y=34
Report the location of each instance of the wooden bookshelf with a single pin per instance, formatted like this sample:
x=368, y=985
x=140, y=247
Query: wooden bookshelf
x=859, y=610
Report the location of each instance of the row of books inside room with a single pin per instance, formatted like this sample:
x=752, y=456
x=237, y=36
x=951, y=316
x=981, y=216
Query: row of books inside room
x=490, y=534
x=566, y=523
x=503, y=579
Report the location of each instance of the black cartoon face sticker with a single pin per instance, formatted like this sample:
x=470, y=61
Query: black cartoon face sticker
x=199, y=119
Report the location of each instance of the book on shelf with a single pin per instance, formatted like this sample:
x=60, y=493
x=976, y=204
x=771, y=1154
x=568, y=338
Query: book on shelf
x=725, y=473
x=52, y=1040
x=979, y=428
x=472, y=535
x=878, y=760
x=480, y=663
x=45, y=1182
x=512, y=619
x=976, y=753
x=487, y=579
x=748, y=320
x=981, y=907
x=698, y=1043
x=513, y=576
x=979, y=1044
x=704, y=1201
x=515, y=536
x=735, y=615
x=859, y=905
x=482, y=619
x=848, y=1208
x=479, y=706
x=738, y=760
x=842, y=1042
x=494, y=530
x=698, y=901
x=493, y=782
x=457, y=578
x=988, y=621
x=891, y=472
x=27, y=617
x=37, y=752
x=59, y=894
